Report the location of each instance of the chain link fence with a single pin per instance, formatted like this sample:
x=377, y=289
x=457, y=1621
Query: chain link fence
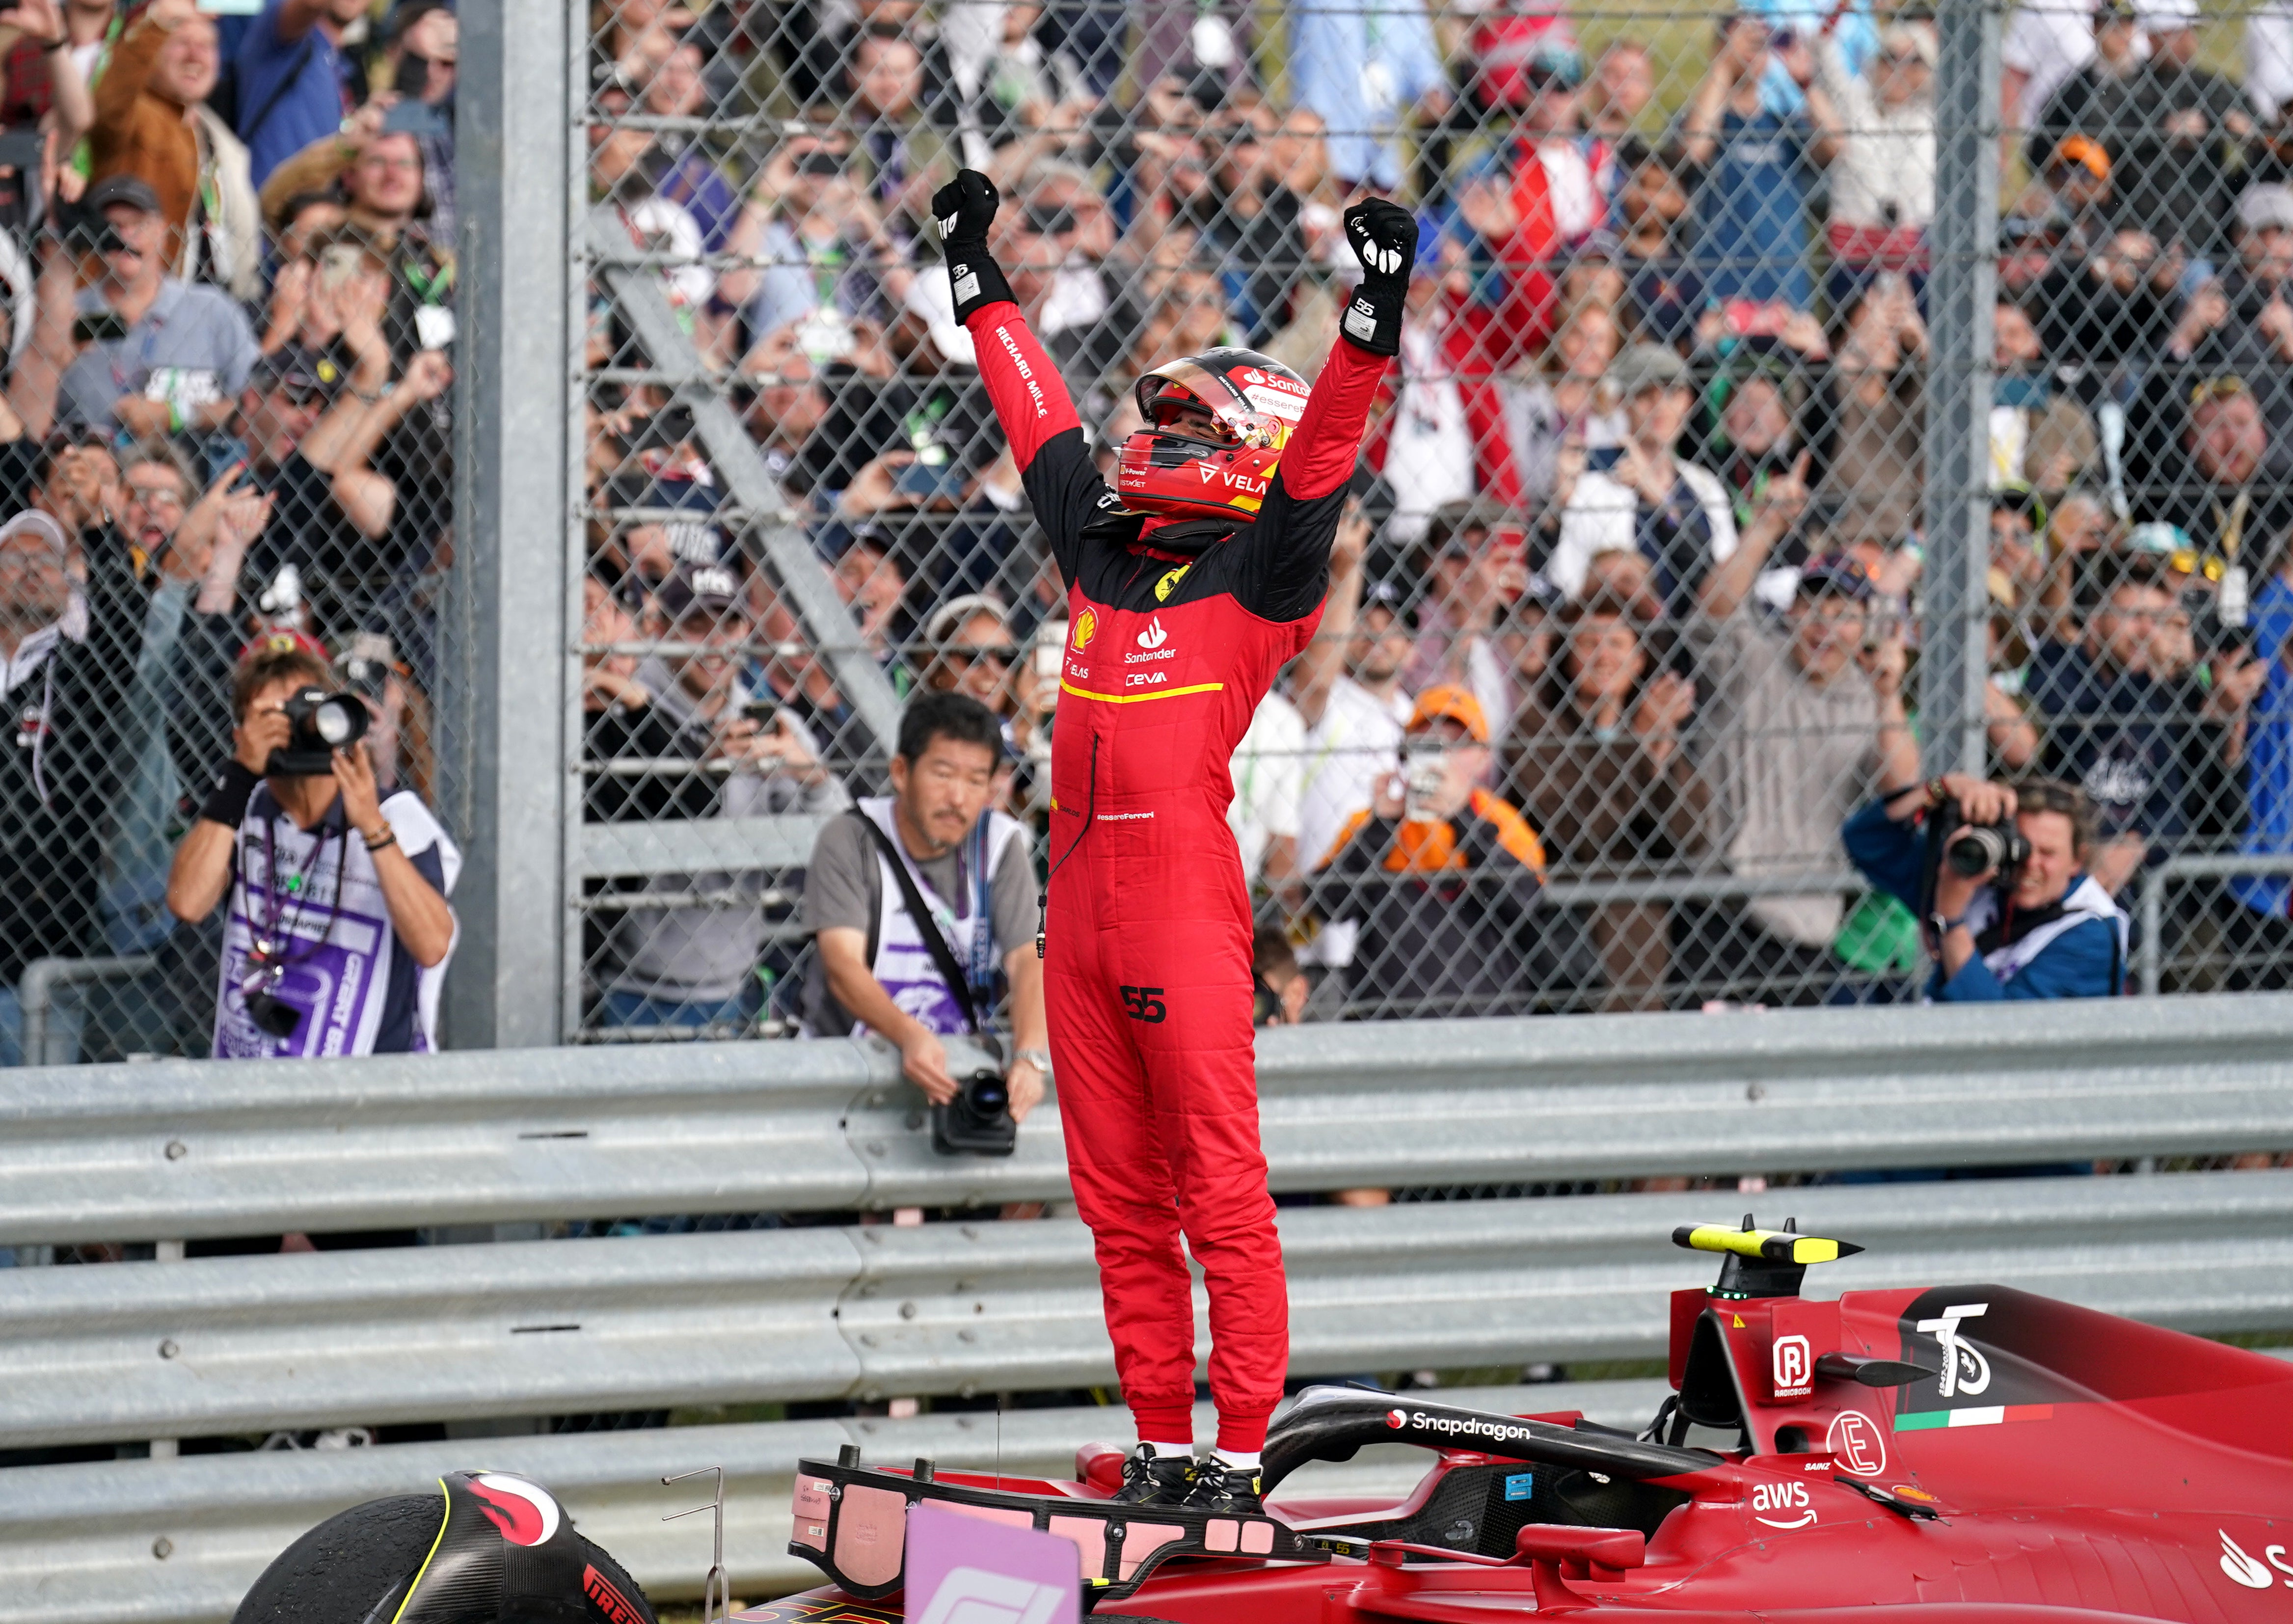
x=1643, y=595
x=227, y=253
x=1642, y=516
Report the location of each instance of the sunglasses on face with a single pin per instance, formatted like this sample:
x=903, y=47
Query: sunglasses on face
x=1002, y=653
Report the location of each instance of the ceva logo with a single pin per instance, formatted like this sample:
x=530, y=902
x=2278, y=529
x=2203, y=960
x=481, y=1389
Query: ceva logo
x=1153, y=636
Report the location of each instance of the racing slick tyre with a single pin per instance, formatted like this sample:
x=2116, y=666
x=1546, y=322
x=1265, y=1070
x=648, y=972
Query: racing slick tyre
x=341, y=1569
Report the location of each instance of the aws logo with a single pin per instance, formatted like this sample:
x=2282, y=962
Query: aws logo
x=1168, y=583
x=1086, y=628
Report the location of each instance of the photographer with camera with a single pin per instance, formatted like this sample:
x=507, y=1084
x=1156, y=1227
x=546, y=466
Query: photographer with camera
x=1997, y=873
x=1440, y=878
x=338, y=929
x=915, y=903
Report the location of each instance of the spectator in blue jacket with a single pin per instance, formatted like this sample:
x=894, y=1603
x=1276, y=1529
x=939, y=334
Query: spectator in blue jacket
x=2048, y=929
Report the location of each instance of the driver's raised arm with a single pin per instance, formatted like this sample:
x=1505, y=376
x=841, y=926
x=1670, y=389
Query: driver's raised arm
x=1030, y=399
x=1284, y=569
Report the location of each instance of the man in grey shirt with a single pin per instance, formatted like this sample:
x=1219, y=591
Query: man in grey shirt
x=972, y=869
x=165, y=357
x=690, y=965
x=1806, y=719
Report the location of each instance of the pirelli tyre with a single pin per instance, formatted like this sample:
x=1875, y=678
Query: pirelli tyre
x=484, y=1547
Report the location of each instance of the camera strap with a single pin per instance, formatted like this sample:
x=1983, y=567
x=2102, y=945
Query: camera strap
x=943, y=956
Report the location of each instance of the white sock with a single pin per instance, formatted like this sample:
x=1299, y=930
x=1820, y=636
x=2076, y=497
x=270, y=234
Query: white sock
x=1168, y=1451
x=1246, y=1462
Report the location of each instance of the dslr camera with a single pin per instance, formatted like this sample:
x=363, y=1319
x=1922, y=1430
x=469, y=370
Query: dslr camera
x=977, y=1121
x=1983, y=847
x=318, y=723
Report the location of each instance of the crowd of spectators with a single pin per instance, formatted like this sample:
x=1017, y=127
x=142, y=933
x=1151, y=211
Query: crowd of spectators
x=227, y=280
x=1625, y=623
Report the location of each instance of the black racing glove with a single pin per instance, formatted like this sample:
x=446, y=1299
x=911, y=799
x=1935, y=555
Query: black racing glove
x=965, y=207
x=1384, y=239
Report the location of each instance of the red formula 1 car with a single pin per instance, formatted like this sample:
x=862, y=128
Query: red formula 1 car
x=1963, y=1452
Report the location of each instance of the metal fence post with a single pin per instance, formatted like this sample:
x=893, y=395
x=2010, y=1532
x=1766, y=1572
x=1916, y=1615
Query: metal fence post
x=512, y=409
x=1961, y=284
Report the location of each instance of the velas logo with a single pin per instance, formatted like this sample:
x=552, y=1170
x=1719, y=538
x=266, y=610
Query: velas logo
x=1086, y=628
x=1153, y=636
x=523, y=1511
x=1397, y=1418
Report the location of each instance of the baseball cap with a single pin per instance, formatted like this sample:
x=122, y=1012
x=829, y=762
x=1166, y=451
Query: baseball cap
x=131, y=189
x=32, y=521
x=1835, y=573
x=301, y=375
x=279, y=640
x=1384, y=595
x=1456, y=703
x=1648, y=366
x=2265, y=206
x=1557, y=66
x=2158, y=537
x=713, y=589
x=2085, y=151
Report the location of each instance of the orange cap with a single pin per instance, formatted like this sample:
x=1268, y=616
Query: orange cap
x=1458, y=704
x=2086, y=150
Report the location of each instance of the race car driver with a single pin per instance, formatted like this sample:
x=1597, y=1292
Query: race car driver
x=1189, y=585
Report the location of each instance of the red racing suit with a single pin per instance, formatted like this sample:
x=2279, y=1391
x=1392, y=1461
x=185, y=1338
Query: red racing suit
x=1147, y=964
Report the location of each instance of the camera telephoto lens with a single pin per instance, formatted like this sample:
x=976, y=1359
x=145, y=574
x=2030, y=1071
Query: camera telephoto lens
x=977, y=1121
x=1978, y=851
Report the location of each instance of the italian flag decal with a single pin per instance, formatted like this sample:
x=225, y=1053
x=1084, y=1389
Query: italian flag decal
x=1992, y=1414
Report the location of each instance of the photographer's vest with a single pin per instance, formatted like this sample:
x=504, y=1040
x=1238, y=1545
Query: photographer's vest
x=901, y=963
x=2084, y=901
x=314, y=897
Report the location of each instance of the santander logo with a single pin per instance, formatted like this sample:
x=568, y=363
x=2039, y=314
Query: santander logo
x=1153, y=636
x=524, y=1511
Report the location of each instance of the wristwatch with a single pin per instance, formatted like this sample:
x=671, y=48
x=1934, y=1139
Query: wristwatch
x=1040, y=1058
x=1944, y=926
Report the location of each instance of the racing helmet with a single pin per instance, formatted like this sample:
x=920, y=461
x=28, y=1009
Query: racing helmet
x=1216, y=424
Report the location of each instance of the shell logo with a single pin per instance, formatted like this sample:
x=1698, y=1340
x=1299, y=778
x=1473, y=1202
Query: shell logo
x=1086, y=628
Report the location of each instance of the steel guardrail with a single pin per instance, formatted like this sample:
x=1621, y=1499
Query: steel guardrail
x=245, y=1344
x=184, y=1150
